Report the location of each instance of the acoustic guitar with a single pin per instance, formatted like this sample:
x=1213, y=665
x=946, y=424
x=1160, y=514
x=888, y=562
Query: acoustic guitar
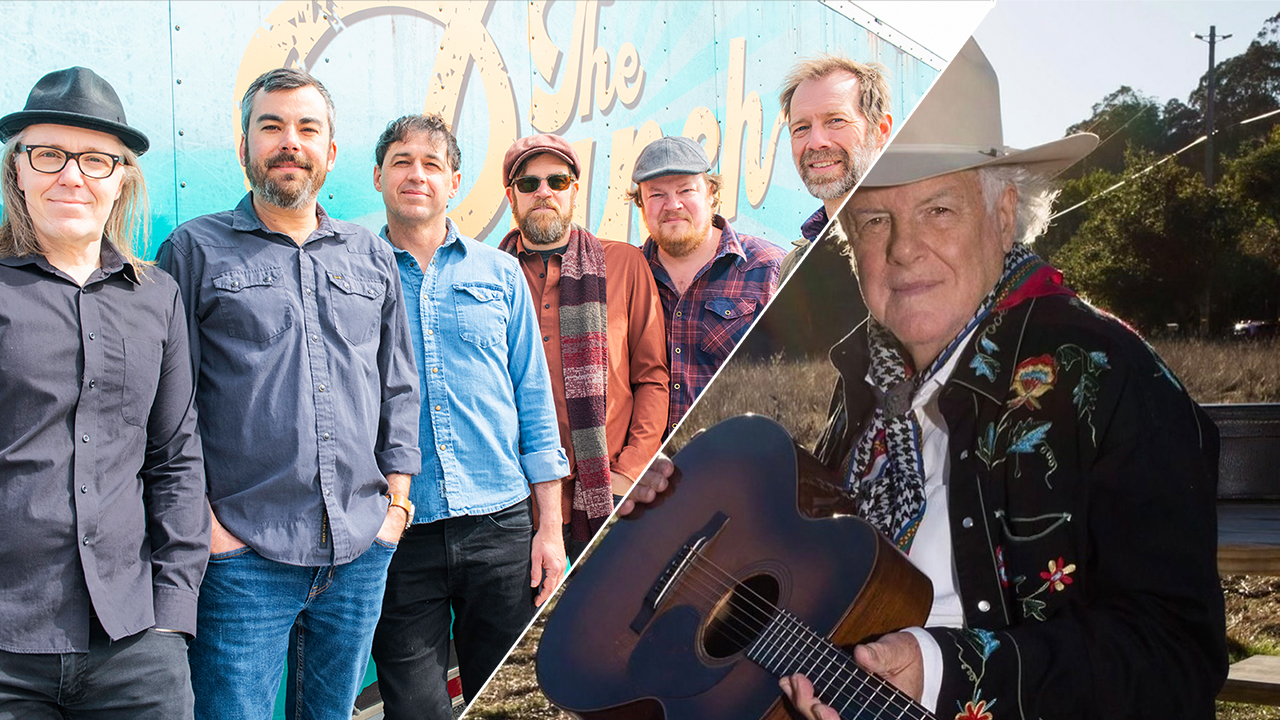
x=748, y=568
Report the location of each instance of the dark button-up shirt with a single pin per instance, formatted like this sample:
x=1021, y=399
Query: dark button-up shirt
x=102, y=504
x=487, y=410
x=306, y=384
x=715, y=311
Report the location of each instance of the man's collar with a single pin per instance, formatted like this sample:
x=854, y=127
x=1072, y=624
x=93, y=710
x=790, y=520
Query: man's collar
x=813, y=226
x=451, y=236
x=109, y=259
x=246, y=219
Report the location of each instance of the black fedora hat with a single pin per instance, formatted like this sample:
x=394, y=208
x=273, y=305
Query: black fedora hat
x=76, y=96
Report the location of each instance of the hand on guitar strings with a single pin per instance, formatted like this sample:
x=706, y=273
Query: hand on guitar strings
x=651, y=483
x=894, y=657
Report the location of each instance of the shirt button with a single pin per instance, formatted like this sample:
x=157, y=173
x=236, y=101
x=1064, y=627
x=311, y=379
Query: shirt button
x=431, y=332
x=964, y=454
x=676, y=386
x=93, y=336
x=727, y=313
x=84, y=439
x=435, y=370
x=85, y=540
x=967, y=522
x=677, y=351
x=235, y=283
x=321, y=388
x=84, y=488
x=542, y=275
x=437, y=408
x=325, y=436
x=308, y=291
x=546, y=338
x=328, y=493
x=442, y=448
x=93, y=384
x=677, y=313
x=983, y=606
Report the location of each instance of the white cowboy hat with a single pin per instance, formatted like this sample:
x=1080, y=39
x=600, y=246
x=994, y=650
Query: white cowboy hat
x=957, y=127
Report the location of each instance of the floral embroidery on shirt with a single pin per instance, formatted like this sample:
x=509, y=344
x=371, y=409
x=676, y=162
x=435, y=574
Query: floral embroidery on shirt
x=981, y=644
x=1058, y=576
x=1032, y=378
x=1056, y=579
x=983, y=362
x=974, y=711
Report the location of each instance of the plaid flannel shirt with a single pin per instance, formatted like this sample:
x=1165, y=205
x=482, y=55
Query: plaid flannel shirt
x=706, y=323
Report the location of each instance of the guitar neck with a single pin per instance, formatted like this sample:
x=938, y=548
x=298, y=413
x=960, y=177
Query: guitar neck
x=786, y=646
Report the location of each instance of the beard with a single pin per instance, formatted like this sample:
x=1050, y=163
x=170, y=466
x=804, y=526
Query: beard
x=540, y=229
x=287, y=194
x=678, y=244
x=855, y=168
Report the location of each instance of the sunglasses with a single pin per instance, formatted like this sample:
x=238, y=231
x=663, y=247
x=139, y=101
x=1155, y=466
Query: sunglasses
x=530, y=183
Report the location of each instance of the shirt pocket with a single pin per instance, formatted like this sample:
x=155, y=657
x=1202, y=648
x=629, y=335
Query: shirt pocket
x=723, y=323
x=356, y=305
x=252, y=304
x=141, y=378
x=482, y=314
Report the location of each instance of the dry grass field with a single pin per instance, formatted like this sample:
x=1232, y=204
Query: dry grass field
x=796, y=394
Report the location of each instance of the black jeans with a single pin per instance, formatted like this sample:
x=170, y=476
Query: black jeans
x=479, y=567
x=143, y=676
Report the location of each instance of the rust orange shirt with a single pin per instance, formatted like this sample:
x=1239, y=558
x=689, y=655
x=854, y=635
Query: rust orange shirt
x=636, y=395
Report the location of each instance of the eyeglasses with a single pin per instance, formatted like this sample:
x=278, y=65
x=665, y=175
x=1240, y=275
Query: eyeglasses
x=51, y=160
x=530, y=183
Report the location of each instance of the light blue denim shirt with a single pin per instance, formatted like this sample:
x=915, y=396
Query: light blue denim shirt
x=488, y=424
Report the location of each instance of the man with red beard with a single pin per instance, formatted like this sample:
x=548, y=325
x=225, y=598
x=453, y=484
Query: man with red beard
x=712, y=280
x=308, y=407
x=837, y=111
x=601, y=328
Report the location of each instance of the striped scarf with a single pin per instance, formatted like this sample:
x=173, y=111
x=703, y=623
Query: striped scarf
x=887, y=470
x=584, y=354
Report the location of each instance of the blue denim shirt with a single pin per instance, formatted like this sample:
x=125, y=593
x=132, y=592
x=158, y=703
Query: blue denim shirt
x=487, y=410
x=306, y=390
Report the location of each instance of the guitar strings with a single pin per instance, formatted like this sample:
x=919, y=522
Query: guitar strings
x=874, y=687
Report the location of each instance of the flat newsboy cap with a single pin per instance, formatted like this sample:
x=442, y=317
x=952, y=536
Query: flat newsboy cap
x=527, y=147
x=78, y=97
x=674, y=155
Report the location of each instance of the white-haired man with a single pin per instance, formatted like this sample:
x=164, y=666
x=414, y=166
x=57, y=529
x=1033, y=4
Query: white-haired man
x=1001, y=432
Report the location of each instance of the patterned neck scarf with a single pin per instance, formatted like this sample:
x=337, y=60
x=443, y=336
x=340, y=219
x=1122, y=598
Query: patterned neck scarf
x=887, y=472
x=584, y=355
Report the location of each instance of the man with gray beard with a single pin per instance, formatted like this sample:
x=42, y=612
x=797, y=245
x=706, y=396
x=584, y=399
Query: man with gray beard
x=601, y=328
x=837, y=111
x=308, y=406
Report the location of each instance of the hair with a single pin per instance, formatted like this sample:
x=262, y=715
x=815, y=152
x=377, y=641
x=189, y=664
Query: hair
x=713, y=184
x=276, y=81
x=128, y=221
x=1036, y=194
x=435, y=128
x=872, y=82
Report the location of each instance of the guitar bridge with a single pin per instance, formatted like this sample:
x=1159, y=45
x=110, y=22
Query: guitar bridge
x=674, y=569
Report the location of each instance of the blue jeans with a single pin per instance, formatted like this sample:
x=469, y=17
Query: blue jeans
x=142, y=676
x=254, y=612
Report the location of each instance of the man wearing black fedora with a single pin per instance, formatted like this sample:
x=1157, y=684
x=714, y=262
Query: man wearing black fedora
x=1030, y=454
x=104, y=534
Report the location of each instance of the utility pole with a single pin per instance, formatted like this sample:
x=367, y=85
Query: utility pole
x=1212, y=39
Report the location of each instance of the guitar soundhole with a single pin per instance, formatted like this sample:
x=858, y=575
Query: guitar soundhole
x=740, y=616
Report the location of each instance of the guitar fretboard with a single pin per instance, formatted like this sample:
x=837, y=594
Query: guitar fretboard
x=786, y=646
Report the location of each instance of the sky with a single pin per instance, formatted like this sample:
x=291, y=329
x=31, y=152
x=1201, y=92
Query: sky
x=1055, y=60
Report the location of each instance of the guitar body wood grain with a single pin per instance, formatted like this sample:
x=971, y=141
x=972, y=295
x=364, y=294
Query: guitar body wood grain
x=607, y=654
